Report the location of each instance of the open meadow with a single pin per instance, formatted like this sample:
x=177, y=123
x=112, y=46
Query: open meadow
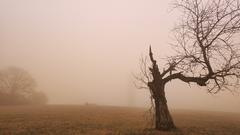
x=107, y=120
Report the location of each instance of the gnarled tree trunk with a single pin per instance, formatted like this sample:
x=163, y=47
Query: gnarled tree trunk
x=163, y=120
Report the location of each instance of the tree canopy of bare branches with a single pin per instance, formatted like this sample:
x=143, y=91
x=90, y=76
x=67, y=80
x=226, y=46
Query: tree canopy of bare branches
x=208, y=44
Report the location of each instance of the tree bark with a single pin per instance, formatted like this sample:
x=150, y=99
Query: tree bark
x=163, y=120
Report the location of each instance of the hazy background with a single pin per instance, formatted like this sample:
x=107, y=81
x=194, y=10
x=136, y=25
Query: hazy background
x=86, y=50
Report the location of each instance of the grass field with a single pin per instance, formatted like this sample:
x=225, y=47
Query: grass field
x=106, y=120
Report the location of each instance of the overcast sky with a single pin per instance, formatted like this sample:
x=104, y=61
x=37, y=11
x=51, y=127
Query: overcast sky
x=86, y=50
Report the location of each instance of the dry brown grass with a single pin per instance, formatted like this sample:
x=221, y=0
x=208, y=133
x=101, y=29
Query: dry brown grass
x=103, y=120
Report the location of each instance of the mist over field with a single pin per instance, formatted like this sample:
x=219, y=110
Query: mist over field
x=86, y=51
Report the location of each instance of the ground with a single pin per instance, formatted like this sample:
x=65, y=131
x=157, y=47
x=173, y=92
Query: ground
x=107, y=120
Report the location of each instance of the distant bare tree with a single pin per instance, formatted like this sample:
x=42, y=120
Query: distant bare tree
x=207, y=53
x=18, y=87
x=16, y=80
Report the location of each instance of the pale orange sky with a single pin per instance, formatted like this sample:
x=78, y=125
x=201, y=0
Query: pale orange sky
x=85, y=50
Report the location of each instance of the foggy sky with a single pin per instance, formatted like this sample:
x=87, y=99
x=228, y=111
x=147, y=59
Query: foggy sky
x=86, y=50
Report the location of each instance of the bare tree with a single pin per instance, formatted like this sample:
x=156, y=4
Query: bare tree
x=15, y=80
x=17, y=86
x=207, y=53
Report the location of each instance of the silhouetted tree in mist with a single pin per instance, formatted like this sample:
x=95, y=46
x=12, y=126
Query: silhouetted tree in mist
x=18, y=87
x=208, y=54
